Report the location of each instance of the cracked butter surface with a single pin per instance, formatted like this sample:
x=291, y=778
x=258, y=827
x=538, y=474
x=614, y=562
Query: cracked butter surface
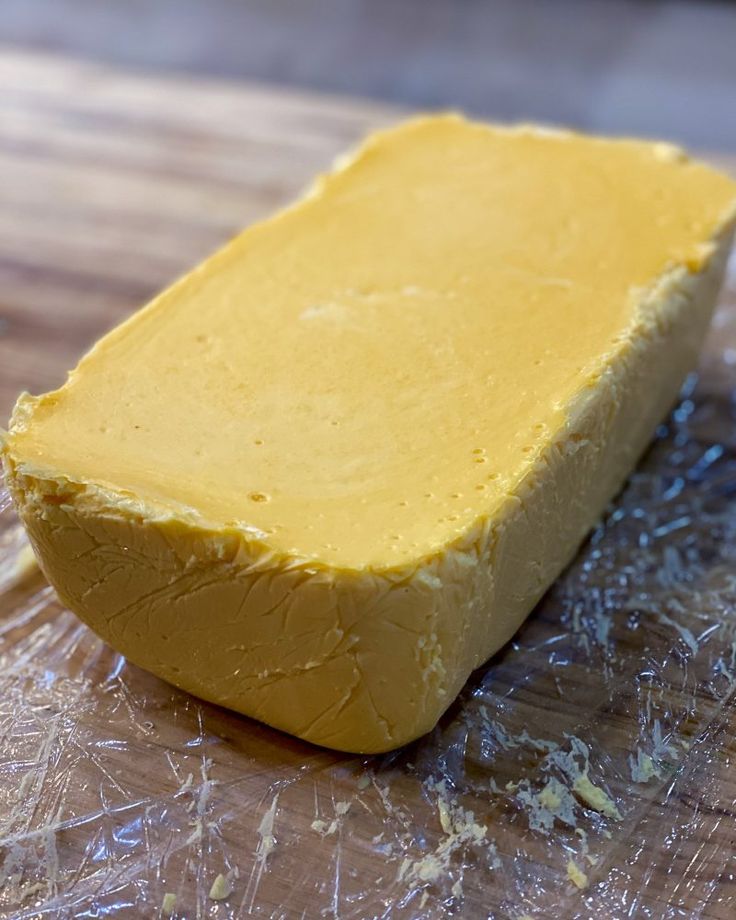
x=326, y=474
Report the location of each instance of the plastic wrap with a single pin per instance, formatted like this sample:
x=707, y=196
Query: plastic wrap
x=585, y=771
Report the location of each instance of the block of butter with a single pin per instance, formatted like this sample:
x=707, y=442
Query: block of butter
x=329, y=472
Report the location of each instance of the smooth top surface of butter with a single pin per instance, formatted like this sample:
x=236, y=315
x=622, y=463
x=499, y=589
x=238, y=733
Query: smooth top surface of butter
x=362, y=377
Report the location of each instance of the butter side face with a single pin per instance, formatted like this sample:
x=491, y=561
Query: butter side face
x=328, y=473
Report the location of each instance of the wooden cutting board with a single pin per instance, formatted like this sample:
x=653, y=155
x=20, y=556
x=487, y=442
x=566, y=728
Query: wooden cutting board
x=116, y=789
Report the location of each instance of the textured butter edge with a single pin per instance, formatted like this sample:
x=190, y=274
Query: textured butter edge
x=656, y=301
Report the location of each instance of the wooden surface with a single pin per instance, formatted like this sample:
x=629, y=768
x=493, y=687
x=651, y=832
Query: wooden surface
x=660, y=67
x=110, y=186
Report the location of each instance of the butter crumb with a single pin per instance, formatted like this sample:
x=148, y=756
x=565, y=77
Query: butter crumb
x=595, y=797
x=267, y=842
x=576, y=874
x=221, y=888
x=168, y=904
x=325, y=829
x=428, y=869
x=445, y=819
x=548, y=798
x=642, y=767
x=186, y=785
x=460, y=829
x=322, y=827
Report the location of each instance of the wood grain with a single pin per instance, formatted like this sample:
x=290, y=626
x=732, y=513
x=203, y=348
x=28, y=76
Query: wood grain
x=661, y=67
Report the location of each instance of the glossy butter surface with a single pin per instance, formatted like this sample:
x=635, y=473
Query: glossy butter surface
x=356, y=445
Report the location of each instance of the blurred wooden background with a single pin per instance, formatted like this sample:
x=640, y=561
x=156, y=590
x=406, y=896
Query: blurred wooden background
x=656, y=67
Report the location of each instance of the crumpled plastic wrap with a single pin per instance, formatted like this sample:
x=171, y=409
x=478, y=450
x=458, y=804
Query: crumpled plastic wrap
x=584, y=772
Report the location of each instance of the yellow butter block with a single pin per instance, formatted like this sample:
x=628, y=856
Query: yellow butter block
x=327, y=474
